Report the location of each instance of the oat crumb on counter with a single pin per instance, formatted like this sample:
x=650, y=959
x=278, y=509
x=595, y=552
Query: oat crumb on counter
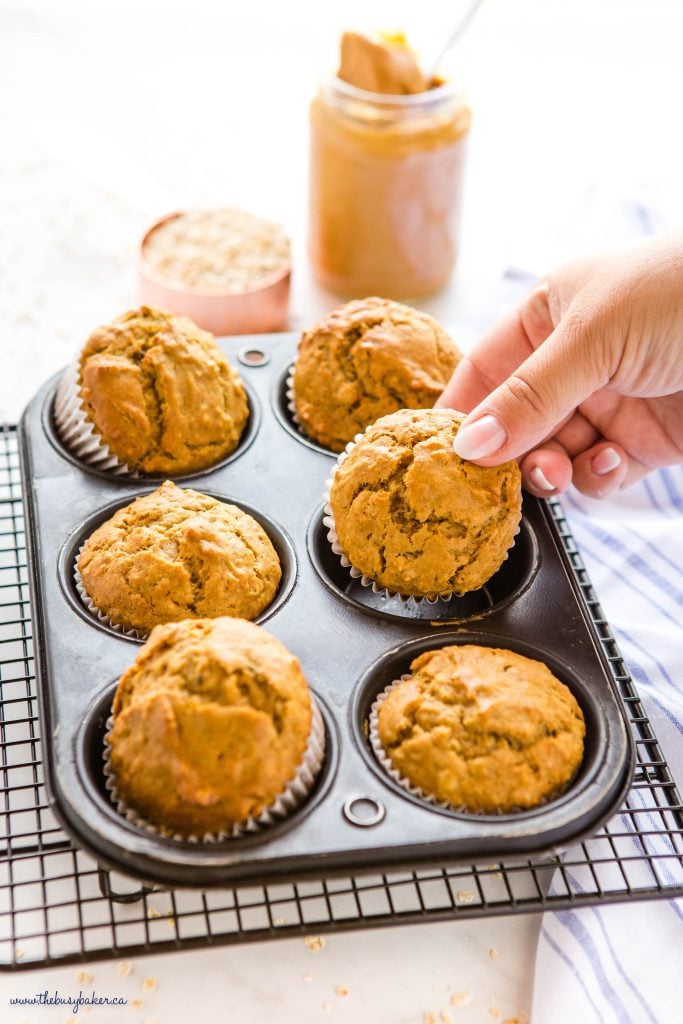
x=461, y=998
x=465, y=895
x=279, y=920
x=428, y=1017
x=19, y=952
x=342, y=991
x=152, y=913
x=315, y=943
x=82, y=978
x=494, y=1011
x=136, y=1004
x=446, y=1017
x=493, y=953
x=148, y=984
x=124, y=968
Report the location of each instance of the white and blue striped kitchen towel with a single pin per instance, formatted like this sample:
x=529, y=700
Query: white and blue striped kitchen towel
x=623, y=963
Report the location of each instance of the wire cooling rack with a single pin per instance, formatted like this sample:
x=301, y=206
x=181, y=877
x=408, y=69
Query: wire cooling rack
x=58, y=906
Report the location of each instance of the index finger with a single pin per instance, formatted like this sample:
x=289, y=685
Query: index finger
x=498, y=353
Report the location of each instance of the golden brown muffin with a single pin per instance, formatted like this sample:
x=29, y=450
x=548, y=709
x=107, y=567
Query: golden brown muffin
x=211, y=722
x=177, y=554
x=483, y=729
x=160, y=393
x=365, y=360
x=415, y=517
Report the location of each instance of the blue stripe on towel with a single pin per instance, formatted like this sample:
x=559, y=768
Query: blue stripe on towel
x=568, y=963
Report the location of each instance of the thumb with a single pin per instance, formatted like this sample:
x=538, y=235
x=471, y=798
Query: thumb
x=542, y=392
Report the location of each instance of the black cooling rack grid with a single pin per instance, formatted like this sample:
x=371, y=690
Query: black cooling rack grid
x=58, y=906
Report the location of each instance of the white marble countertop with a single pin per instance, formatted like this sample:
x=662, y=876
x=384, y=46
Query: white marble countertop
x=120, y=112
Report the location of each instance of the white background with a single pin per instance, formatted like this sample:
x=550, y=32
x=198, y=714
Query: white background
x=114, y=113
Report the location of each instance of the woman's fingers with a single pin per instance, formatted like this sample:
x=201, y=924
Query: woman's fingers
x=547, y=470
x=541, y=393
x=493, y=358
x=603, y=469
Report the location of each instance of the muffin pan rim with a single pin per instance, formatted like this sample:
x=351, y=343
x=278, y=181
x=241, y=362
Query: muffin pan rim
x=66, y=559
x=596, y=726
x=247, y=438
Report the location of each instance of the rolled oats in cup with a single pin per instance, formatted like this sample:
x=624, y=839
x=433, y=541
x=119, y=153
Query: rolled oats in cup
x=151, y=393
x=410, y=516
x=226, y=269
x=214, y=732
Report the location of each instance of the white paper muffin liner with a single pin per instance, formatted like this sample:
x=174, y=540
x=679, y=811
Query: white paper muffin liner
x=291, y=402
x=384, y=759
x=291, y=407
x=97, y=613
x=78, y=433
x=292, y=796
x=356, y=574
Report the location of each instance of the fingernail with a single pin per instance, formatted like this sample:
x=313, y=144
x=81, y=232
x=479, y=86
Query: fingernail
x=605, y=461
x=479, y=439
x=538, y=478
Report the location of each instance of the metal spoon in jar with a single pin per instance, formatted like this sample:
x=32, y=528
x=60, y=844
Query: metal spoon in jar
x=462, y=25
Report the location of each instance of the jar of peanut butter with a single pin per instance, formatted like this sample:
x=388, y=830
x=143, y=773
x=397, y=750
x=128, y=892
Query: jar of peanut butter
x=386, y=182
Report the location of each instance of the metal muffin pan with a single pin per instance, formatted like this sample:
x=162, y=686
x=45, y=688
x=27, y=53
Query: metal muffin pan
x=350, y=642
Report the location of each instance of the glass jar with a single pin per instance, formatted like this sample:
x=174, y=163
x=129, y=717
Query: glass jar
x=386, y=181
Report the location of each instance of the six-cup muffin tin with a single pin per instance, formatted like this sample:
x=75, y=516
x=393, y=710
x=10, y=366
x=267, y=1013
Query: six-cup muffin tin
x=351, y=643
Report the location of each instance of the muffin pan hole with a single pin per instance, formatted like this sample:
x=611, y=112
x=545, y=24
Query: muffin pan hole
x=513, y=576
x=248, y=434
x=69, y=553
x=285, y=416
x=396, y=663
x=90, y=764
x=252, y=356
x=363, y=811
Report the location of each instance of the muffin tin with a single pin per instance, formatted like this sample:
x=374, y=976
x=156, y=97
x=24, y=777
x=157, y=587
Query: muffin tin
x=351, y=643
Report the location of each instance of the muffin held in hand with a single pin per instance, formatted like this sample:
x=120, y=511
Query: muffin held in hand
x=177, y=554
x=366, y=359
x=414, y=517
x=485, y=730
x=160, y=394
x=211, y=723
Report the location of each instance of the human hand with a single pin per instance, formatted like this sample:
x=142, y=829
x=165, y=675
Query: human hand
x=584, y=382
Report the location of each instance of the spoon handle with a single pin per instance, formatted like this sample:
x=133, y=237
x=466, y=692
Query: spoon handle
x=455, y=35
